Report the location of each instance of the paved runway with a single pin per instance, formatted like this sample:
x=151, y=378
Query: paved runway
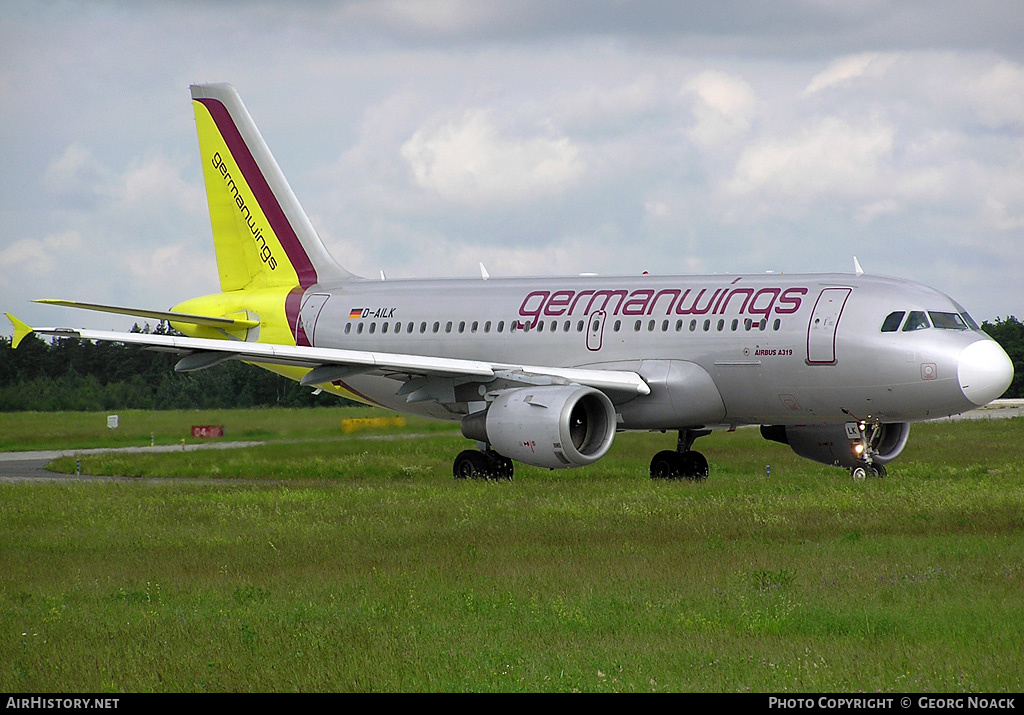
x=31, y=466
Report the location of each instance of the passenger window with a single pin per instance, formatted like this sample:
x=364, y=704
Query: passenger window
x=947, y=321
x=917, y=320
x=892, y=321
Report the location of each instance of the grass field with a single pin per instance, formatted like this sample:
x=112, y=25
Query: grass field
x=356, y=563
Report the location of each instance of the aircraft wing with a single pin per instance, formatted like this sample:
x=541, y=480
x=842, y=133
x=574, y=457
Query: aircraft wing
x=328, y=364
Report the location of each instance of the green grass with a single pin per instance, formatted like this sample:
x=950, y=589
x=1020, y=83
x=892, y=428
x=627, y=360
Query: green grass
x=20, y=431
x=359, y=564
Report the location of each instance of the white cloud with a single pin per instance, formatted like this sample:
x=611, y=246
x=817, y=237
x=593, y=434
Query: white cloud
x=725, y=108
x=999, y=95
x=30, y=260
x=844, y=69
x=831, y=157
x=155, y=183
x=468, y=161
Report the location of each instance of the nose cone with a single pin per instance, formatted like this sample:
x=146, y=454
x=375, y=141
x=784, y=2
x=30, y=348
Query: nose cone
x=984, y=371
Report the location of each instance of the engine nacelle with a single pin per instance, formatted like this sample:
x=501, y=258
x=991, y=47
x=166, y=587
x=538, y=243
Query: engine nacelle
x=556, y=426
x=850, y=445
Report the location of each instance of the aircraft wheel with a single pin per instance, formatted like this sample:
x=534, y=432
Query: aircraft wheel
x=471, y=464
x=878, y=470
x=501, y=466
x=665, y=465
x=694, y=466
x=859, y=474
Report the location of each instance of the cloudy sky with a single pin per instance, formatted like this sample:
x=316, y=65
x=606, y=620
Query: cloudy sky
x=535, y=136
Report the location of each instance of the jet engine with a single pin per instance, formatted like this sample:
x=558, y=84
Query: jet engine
x=850, y=445
x=554, y=426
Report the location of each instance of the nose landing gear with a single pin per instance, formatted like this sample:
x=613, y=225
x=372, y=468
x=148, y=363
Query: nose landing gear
x=860, y=473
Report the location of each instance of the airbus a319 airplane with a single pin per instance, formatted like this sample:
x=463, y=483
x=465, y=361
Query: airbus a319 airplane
x=545, y=371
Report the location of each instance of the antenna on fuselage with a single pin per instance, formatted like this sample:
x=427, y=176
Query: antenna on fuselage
x=856, y=267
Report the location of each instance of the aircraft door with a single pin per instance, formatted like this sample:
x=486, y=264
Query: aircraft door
x=595, y=330
x=821, y=330
x=312, y=304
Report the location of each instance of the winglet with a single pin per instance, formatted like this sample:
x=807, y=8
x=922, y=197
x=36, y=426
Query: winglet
x=21, y=330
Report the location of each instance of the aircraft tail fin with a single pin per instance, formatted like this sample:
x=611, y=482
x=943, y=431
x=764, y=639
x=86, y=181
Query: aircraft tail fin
x=261, y=235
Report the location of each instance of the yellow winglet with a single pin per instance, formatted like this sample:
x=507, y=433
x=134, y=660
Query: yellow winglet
x=21, y=331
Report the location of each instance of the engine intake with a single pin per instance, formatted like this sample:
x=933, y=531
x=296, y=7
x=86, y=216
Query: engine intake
x=551, y=426
x=848, y=445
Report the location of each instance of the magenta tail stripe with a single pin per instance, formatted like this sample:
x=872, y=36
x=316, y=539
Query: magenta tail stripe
x=279, y=223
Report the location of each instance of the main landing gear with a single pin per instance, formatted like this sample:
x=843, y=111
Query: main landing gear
x=683, y=463
x=479, y=464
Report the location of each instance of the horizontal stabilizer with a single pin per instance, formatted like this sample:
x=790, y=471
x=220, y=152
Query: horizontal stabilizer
x=208, y=320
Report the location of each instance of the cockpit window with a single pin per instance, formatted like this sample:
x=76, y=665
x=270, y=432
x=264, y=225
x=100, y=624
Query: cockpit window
x=917, y=320
x=966, y=316
x=947, y=321
x=892, y=321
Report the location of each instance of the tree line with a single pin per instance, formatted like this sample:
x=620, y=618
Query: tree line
x=68, y=374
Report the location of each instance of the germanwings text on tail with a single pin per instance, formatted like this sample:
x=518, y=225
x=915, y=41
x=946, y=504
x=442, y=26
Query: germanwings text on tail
x=545, y=371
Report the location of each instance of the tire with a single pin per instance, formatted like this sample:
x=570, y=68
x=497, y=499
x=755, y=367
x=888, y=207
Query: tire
x=694, y=466
x=665, y=465
x=471, y=464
